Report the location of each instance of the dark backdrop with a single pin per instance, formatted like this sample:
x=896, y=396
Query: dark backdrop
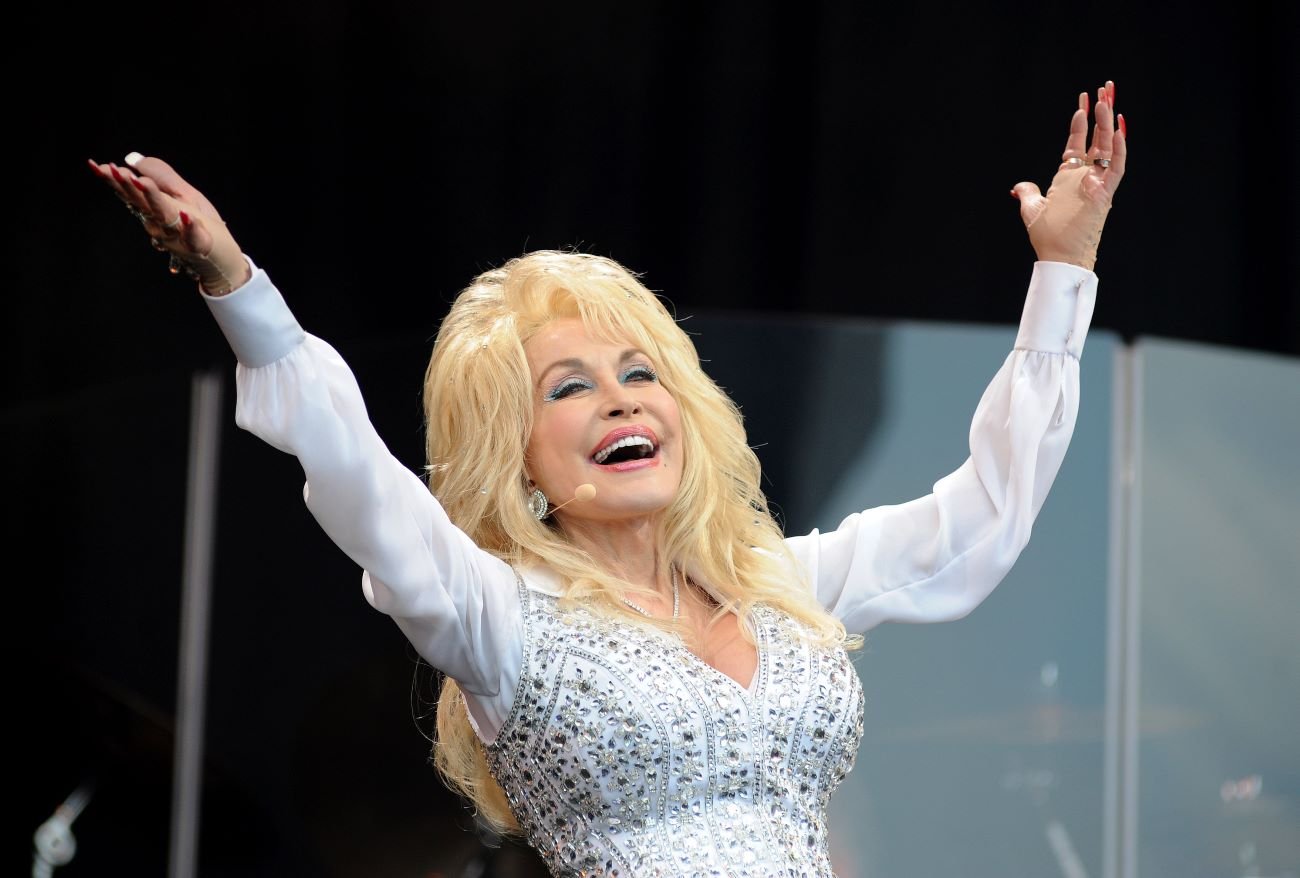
x=824, y=158
x=843, y=158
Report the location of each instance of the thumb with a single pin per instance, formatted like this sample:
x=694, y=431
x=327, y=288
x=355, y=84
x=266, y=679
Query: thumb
x=1025, y=192
x=169, y=180
x=1031, y=200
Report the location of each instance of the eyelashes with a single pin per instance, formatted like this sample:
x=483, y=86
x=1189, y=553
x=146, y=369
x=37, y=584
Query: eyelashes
x=567, y=387
x=571, y=385
x=639, y=373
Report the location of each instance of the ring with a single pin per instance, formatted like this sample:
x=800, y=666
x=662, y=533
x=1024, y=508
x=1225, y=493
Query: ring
x=174, y=224
x=1104, y=163
x=157, y=245
x=1074, y=161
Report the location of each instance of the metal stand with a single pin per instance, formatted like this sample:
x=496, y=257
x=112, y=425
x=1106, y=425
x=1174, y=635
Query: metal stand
x=55, y=844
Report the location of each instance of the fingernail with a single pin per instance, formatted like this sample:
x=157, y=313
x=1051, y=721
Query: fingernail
x=133, y=158
x=1123, y=127
x=117, y=175
x=1110, y=93
x=137, y=184
x=94, y=167
x=185, y=219
x=1087, y=103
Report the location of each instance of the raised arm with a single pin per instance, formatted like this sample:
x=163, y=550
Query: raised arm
x=1065, y=224
x=179, y=220
x=938, y=557
x=457, y=604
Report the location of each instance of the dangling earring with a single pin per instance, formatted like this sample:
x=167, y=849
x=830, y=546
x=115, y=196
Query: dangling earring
x=538, y=503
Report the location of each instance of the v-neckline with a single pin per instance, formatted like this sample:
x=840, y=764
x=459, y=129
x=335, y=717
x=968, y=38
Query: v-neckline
x=748, y=693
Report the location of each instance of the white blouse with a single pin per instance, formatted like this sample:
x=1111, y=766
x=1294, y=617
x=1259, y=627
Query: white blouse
x=929, y=560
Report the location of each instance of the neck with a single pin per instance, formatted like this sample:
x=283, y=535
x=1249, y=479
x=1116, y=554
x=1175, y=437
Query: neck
x=628, y=550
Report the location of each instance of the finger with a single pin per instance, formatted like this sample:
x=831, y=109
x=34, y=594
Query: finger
x=1104, y=129
x=1118, y=159
x=161, y=173
x=161, y=205
x=103, y=173
x=195, y=236
x=169, y=180
x=130, y=194
x=1076, y=144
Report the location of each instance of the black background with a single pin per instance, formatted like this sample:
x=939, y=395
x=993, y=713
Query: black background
x=834, y=158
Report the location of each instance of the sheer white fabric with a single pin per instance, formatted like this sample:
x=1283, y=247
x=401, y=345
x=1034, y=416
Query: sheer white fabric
x=932, y=559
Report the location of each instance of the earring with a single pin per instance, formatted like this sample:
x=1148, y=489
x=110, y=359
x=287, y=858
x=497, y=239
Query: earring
x=538, y=503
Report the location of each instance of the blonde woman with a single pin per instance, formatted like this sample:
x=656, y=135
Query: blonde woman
x=645, y=676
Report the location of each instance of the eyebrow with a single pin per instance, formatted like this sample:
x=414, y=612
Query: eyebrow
x=577, y=363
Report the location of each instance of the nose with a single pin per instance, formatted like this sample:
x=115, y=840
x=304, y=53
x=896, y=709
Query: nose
x=621, y=404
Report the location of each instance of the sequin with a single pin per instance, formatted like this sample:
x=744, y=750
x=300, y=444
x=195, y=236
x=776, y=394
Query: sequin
x=625, y=754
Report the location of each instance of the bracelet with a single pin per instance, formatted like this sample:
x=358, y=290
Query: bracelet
x=211, y=279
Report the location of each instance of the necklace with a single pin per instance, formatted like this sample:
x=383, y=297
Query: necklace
x=677, y=595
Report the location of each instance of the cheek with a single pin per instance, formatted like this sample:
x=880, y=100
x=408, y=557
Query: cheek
x=552, y=434
x=671, y=414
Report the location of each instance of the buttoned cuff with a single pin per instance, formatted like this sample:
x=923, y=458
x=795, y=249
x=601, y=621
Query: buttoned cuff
x=1058, y=309
x=256, y=321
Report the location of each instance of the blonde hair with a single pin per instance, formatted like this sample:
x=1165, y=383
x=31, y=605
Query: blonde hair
x=478, y=406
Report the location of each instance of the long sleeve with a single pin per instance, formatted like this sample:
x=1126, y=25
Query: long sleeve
x=937, y=557
x=457, y=604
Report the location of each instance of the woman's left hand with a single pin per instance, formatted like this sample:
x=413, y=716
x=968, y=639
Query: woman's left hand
x=1065, y=224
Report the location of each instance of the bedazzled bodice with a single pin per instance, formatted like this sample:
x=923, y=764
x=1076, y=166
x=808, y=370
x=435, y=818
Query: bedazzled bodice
x=625, y=754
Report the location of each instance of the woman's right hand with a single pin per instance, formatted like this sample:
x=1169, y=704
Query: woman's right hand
x=179, y=220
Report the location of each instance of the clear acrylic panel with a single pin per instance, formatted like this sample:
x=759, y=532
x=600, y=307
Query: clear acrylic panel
x=984, y=750
x=1218, y=549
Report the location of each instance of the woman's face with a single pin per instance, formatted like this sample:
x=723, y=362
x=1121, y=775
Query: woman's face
x=600, y=417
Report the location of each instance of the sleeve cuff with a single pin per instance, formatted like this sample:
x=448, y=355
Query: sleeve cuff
x=256, y=321
x=1058, y=309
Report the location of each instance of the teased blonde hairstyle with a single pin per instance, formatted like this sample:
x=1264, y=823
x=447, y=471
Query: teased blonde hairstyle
x=478, y=403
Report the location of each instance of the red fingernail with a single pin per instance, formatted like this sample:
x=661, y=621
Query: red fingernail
x=185, y=219
x=137, y=184
x=1123, y=128
x=116, y=174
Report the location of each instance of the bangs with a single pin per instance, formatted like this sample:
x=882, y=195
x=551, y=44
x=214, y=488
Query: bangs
x=611, y=303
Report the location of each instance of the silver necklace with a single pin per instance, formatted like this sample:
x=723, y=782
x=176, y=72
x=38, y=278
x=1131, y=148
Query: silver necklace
x=677, y=595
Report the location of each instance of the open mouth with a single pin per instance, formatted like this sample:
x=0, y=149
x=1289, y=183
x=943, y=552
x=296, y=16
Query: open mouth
x=626, y=450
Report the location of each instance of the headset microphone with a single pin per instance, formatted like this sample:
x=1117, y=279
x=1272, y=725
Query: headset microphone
x=583, y=493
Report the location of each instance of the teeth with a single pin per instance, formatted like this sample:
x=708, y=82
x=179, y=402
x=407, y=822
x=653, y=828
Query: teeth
x=625, y=442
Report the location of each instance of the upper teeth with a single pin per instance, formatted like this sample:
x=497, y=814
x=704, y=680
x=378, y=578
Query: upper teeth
x=625, y=442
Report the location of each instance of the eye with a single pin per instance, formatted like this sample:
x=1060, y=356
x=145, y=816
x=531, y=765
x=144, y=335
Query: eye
x=567, y=387
x=639, y=373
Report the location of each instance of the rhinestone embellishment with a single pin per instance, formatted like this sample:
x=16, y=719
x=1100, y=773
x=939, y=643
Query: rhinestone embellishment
x=625, y=754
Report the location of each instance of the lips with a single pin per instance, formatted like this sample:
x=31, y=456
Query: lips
x=624, y=437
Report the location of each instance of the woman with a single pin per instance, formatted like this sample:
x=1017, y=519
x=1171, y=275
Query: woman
x=645, y=677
